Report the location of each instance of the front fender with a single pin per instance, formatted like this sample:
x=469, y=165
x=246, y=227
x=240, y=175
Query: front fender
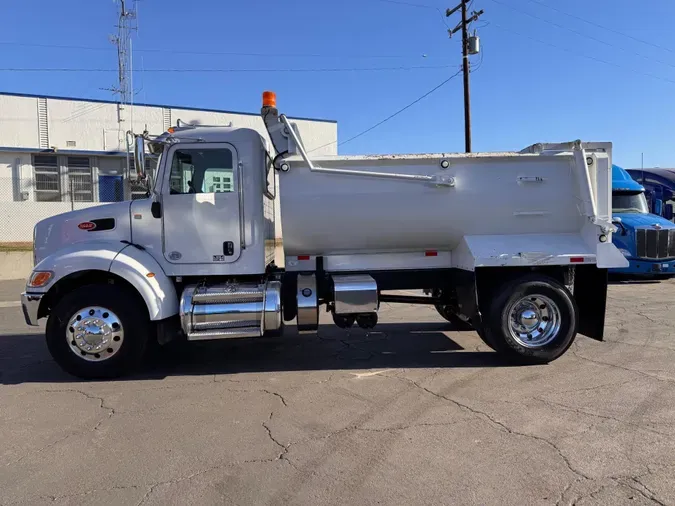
x=82, y=256
x=140, y=269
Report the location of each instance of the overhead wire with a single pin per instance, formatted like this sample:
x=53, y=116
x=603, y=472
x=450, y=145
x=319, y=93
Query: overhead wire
x=391, y=116
x=588, y=57
x=215, y=53
x=85, y=111
x=579, y=33
x=422, y=6
x=598, y=25
x=230, y=70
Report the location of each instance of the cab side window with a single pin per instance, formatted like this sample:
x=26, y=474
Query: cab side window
x=202, y=171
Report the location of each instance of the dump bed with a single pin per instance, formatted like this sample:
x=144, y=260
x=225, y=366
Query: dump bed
x=548, y=204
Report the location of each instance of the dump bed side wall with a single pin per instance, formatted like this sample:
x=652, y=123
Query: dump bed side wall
x=324, y=214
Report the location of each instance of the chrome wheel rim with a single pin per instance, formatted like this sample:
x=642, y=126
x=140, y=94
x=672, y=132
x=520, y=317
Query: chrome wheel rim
x=534, y=321
x=95, y=334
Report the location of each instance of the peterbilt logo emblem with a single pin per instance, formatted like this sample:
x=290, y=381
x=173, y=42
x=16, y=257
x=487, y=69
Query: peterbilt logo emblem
x=87, y=225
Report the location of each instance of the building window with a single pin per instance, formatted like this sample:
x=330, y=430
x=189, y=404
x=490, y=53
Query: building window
x=47, y=180
x=79, y=179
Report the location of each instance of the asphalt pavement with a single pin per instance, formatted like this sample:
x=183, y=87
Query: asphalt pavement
x=412, y=413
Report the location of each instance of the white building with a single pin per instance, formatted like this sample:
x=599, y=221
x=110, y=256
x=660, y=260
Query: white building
x=58, y=154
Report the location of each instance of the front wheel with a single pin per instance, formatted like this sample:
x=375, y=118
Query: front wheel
x=533, y=320
x=98, y=331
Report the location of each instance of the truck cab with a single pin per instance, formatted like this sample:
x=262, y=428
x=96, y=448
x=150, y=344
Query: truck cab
x=646, y=240
x=659, y=187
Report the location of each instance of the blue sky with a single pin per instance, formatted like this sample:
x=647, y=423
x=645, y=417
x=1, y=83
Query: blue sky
x=524, y=91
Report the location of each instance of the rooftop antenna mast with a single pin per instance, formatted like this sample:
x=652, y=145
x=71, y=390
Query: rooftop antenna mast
x=126, y=24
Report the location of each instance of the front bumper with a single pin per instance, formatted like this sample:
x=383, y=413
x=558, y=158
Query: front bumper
x=648, y=267
x=30, y=303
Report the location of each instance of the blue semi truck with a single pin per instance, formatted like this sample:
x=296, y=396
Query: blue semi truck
x=645, y=239
x=659, y=185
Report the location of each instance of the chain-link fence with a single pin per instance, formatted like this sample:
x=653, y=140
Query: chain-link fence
x=24, y=202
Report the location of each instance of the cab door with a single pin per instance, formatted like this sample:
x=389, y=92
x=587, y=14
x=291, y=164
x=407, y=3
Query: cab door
x=201, y=204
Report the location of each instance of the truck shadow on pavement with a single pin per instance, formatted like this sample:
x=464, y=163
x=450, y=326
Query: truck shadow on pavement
x=25, y=359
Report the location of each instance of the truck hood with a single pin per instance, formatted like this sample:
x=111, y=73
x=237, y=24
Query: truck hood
x=639, y=220
x=633, y=221
x=109, y=222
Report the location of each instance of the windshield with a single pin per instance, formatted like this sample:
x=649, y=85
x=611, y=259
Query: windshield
x=629, y=203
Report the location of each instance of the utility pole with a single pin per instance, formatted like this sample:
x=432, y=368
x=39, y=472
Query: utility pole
x=125, y=25
x=470, y=45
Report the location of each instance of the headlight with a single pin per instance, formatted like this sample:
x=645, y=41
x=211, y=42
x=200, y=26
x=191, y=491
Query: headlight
x=40, y=278
x=625, y=252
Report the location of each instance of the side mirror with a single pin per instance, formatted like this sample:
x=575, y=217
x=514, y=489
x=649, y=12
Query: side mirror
x=669, y=212
x=658, y=207
x=139, y=155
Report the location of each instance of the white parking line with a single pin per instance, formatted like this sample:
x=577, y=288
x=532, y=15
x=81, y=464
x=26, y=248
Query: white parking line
x=11, y=303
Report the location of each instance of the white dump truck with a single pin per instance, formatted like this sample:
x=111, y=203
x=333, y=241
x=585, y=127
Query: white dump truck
x=515, y=245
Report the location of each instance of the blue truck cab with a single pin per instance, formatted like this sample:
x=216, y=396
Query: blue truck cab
x=659, y=187
x=646, y=240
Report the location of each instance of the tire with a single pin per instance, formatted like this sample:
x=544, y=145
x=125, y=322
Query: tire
x=552, y=320
x=446, y=312
x=122, y=344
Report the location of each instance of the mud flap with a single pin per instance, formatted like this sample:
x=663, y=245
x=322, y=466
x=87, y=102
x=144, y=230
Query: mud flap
x=466, y=286
x=590, y=292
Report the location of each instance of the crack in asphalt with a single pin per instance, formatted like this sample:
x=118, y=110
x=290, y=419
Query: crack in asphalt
x=639, y=313
x=641, y=345
x=102, y=405
x=101, y=400
x=278, y=395
x=631, y=482
x=565, y=490
x=54, y=498
x=400, y=427
x=580, y=475
x=596, y=387
x=281, y=457
x=648, y=495
x=623, y=368
x=579, y=411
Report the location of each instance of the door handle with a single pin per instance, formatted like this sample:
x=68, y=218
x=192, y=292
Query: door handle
x=228, y=248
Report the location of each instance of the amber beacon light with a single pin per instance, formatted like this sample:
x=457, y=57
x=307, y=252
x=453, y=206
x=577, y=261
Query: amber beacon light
x=269, y=99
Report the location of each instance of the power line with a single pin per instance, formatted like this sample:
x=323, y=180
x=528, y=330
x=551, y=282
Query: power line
x=588, y=57
x=409, y=4
x=581, y=34
x=218, y=53
x=421, y=6
x=178, y=70
x=597, y=25
x=236, y=53
x=391, y=116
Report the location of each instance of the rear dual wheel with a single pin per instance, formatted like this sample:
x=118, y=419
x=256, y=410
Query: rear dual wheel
x=531, y=320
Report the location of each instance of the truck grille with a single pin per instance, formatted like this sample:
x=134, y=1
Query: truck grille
x=655, y=244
